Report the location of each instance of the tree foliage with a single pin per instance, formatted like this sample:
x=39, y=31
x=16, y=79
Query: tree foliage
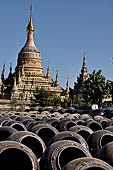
x=109, y=86
x=46, y=97
x=96, y=88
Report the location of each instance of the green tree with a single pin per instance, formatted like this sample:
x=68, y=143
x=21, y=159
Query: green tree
x=96, y=88
x=66, y=102
x=45, y=97
x=109, y=86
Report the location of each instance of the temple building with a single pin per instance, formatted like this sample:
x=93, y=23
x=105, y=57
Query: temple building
x=78, y=86
x=29, y=72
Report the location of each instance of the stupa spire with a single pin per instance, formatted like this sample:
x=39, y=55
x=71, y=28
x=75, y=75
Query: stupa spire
x=84, y=61
x=3, y=73
x=67, y=86
x=48, y=72
x=10, y=68
x=84, y=70
x=30, y=30
x=30, y=26
x=56, y=81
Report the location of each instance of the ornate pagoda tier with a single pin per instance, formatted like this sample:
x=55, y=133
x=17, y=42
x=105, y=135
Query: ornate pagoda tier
x=83, y=76
x=29, y=72
x=78, y=86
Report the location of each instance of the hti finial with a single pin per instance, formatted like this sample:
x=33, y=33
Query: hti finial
x=10, y=64
x=56, y=81
x=57, y=71
x=10, y=67
x=30, y=10
x=30, y=26
x=3, y=67
x=84, y=52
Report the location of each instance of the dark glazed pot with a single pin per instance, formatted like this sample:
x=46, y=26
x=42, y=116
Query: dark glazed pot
x=84, y=131
x=57, y=155
x=45, y=131
x=106, y=153
x=87, y=163
x=94, y=125
x=16, y=156
x=16, y=125
x=5, y=132
x=31, y=140
x=65, y=124
x=68, y=135
x=99, y=139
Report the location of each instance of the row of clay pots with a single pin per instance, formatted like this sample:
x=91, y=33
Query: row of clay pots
x=38, y=141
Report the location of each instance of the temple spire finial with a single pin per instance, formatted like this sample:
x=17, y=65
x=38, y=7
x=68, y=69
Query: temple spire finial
x=3, y=67
x=30, y=26
x=10, y=68
x=67, y=85
x=30, y=11
x=48, y=72
x=30, y=30
x=3, y=73
x=84, y=69
x=84, y=53
x=84, y=61
x=56, y=81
